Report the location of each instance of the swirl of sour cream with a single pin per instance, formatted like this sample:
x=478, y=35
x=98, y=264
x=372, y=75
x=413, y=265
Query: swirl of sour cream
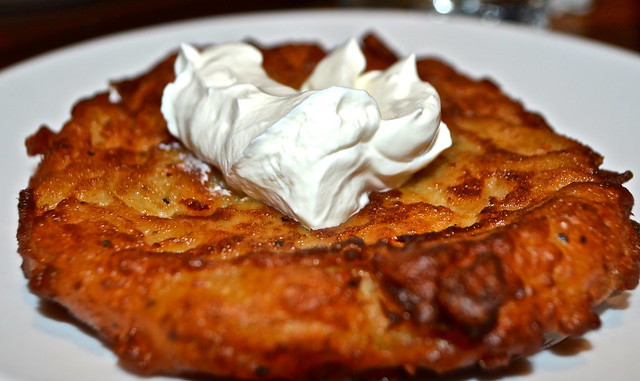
x=316, y=153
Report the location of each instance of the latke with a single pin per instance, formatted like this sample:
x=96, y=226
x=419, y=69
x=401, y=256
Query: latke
x=511, y=235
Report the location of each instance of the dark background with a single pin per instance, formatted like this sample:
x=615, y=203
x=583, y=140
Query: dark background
x=30, y=27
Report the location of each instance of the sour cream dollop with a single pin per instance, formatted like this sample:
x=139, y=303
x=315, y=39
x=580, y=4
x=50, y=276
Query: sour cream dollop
x=316, y=153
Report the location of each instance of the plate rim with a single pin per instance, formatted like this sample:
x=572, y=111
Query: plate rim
x=138, y=32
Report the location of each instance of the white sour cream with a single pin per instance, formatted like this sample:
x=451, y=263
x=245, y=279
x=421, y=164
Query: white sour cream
x=313, y=154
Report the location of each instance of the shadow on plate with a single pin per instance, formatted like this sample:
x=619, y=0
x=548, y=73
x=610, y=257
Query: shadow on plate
x=61, y=314
x=518, y=367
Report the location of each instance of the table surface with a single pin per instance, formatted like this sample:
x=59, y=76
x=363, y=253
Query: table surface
x=31, y=27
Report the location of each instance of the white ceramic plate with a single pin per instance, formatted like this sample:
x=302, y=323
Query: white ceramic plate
x=585, y=90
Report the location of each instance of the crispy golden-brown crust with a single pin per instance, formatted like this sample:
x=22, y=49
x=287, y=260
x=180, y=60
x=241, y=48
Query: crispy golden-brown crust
x=512, y=234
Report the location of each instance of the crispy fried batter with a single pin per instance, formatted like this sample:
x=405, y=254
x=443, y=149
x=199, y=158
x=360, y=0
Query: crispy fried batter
x=512, y=234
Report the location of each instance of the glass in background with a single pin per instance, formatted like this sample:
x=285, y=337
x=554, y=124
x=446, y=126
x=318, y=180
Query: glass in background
x=531, y=12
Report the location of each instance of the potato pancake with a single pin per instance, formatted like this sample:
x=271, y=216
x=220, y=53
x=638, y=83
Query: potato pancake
x=513, y=234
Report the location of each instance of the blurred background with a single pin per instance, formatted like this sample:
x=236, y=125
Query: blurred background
x=31, y=27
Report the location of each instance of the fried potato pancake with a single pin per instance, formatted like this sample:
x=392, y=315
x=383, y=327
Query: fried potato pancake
x=511, y=235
